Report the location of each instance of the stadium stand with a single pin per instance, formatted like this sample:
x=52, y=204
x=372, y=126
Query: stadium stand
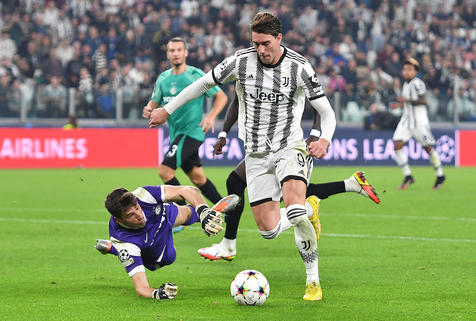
x=90, y=56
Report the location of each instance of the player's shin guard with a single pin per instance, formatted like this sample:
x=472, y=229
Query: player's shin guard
x=435, y=161
x=306, y=242
x=402, y=161
x=175, y=182
x=234, y=185
x=210, y=191
x=282, y=226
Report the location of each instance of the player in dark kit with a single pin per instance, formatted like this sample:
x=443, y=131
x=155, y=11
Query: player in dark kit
x=140, y=229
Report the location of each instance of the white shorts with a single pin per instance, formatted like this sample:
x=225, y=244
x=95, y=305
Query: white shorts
x=265, y=172
x=421, y=132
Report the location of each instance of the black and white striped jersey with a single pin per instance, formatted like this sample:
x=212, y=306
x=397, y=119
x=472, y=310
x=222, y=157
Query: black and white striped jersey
x=413, y=115
x=271, y=98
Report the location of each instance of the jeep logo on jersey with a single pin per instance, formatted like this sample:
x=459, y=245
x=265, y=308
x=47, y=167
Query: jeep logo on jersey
x=264, y=97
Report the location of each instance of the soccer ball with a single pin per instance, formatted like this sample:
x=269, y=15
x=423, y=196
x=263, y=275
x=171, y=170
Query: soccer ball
x=250, y=287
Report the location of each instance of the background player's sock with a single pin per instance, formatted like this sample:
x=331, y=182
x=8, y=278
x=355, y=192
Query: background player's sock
x=325, y=190
x=435, y=161
x=174, y=181
x=402, y=161
x=210, y=191
x=306, y=242
x=234, y=185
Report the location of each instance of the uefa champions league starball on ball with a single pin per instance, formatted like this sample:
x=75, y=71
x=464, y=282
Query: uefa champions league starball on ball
x=250, y=287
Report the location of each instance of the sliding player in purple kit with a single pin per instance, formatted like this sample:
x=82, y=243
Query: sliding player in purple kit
x=140, y=229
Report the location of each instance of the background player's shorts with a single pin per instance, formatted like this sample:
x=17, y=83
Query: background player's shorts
x=421, y=133
x=183, y=152
x=266, y=172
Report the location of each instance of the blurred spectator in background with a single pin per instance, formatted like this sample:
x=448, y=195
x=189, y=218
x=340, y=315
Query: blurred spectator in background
x=54, y=99
x=41, y=39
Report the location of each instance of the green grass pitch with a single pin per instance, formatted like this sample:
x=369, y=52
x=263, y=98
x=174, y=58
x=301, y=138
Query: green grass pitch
x=413, y=257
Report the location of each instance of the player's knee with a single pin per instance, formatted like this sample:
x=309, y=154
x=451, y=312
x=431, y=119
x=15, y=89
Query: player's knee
x=166, y=173
x=198, y=180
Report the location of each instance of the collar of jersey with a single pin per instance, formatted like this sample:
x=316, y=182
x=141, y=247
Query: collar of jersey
x=279, y=61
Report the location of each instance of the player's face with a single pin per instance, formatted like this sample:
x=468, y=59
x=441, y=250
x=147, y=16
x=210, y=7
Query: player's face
x=267, y=46
x=408, y=72
x=176, y=53
x=133, y=217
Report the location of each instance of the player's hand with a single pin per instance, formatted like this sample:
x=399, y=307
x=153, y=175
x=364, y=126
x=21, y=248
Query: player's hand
x=158, y=117
x=207, y=123
x=166, y=291
x=218, y=147
x=401, y=99
x=211, y=220
x=146, y=111
x=311, y=139
x=318, y=149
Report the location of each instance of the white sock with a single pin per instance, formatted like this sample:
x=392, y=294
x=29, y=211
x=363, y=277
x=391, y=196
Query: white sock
x=435, y=161
x=282, y=226
x=229, y=244
x=402, y=161
x=351, y=185
x=306, y=242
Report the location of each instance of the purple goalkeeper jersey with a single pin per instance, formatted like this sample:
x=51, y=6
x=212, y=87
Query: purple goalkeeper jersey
x=151, y=246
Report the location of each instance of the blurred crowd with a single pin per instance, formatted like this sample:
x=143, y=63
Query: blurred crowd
x=54, y=53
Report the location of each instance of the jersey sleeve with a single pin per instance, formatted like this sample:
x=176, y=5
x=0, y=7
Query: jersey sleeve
x=210, y=92
x=225, y=71
x=157, y=94
x=420, y=87
x=130, y=256
x=310, y=83
x=150, y=194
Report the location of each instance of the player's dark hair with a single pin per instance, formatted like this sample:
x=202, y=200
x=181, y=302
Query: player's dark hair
x=413, y=62
x=267, y=23
x=179, y=39
x=118, y=201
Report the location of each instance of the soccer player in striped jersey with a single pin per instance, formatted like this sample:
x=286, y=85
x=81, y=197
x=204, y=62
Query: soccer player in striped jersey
x=414, y=123
x=236, y=184
x=187, y=129
x=272, y=82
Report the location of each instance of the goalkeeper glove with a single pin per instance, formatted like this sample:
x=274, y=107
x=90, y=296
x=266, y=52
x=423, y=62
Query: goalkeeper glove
x=166, y=291
x=211, y=220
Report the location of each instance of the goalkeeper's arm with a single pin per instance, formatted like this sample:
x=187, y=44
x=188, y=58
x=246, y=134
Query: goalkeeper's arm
x=166, y=291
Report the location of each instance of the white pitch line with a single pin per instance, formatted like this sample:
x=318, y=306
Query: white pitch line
x=323, y=213
x=409, y=217
x=361, y=236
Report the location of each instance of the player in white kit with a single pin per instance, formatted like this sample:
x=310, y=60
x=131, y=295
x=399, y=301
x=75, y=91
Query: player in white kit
x=414, y=123
x=272, y=82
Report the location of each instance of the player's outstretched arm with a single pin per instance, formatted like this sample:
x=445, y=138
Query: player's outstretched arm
x=209, y=121
x=166, y=291
x=210, y=219
x=192, y=91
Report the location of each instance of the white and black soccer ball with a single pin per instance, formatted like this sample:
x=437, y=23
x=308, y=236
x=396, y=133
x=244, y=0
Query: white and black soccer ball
x=250, y=287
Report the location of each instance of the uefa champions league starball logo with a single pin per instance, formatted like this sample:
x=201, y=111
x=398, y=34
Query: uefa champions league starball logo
x=445, y=146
